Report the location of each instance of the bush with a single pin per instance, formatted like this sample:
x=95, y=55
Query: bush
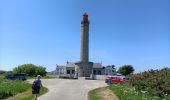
x=126, y=70
x=156, y=82
x=126, y=92
x=30, y=69
x=2, y=72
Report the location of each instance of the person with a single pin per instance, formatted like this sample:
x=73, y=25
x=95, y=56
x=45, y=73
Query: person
x=36, y=86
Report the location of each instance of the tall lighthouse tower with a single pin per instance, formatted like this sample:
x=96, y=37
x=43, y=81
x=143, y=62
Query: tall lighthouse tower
x=84, y=52
x=84, y=67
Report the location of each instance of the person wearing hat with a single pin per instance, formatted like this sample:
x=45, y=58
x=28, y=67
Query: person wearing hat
x=36, y=86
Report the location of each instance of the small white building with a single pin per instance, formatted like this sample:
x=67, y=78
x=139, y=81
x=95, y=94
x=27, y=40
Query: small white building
x=69, y=70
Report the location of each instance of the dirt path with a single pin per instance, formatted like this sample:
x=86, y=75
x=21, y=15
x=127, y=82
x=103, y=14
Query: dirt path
x=107, y=94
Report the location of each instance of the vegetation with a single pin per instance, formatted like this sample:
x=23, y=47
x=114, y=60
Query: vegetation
x=126, y=69
x=17, y=90
x=27, y=95
x=111, y=67
x=2, y=72
x=11, y=87
x=148, y=85
x=20, y=90
x=127, y=92
x=30, y=69
x=155, y=82
x=93, y=95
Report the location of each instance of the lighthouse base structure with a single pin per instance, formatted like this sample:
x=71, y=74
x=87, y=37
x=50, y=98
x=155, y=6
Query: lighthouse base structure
x=84, y=69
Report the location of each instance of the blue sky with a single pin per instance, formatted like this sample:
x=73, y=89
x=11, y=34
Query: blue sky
x=47, y=32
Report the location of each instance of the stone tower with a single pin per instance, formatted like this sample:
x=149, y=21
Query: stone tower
x=84, y=52
x=84, y=67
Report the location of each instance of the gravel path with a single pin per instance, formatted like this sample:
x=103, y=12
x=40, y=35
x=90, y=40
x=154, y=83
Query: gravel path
x=67, y=89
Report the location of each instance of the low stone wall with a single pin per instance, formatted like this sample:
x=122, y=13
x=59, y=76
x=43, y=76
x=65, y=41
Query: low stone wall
x=99, y=77
x=53, y=76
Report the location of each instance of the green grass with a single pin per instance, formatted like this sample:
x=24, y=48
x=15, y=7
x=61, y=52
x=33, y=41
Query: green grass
x=12, y=87
x=29, y=96
x=2, y=75
x=92, y=95
x=17, y=90
x=126, y=92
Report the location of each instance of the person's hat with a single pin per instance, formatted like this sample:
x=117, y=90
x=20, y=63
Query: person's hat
x=38, y=76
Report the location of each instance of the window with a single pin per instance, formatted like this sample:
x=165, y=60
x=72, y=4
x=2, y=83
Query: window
x=73, y=71
x=68, y=71
x=99, y=72
x=94, y=72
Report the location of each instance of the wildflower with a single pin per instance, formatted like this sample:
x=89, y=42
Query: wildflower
x=143, y=91
x=156, y=97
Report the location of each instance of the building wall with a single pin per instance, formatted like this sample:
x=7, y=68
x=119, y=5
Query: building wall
x=100, y=77
x=84, y=69
x=110, y=72
x=98, y=71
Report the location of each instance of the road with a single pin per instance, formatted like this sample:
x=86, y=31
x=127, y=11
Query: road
x=68, y=89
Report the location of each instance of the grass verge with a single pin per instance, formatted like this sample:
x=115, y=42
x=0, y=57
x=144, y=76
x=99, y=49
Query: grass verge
x=126, y=92
x=16, y=90
x=93, y=95
x=12, y=87
x=102, y=93
x=27, y=95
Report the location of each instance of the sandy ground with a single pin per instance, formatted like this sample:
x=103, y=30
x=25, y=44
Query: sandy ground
x=68, y=89
x=107, y=94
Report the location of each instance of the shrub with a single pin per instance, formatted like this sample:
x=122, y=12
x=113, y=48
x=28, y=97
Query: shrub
x=126, y=69
x=156, y=82
x=2, y=72
x=30, y=69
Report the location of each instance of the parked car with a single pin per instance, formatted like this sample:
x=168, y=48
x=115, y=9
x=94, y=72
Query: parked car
x=107, y=79
x=115, y=79
x=17, y=76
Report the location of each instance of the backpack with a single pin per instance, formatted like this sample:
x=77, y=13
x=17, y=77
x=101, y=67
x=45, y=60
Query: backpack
x=35, y=87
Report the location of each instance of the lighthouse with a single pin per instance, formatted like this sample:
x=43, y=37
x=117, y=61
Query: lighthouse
x=84, y=68
x=84, y=52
